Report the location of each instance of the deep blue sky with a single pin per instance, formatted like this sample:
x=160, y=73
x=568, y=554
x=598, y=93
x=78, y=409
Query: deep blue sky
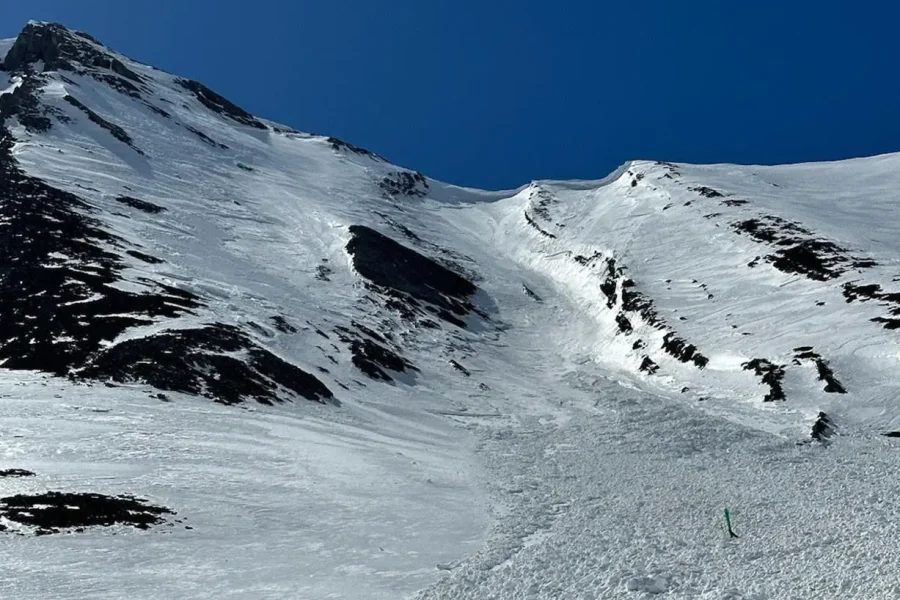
x=494, y=93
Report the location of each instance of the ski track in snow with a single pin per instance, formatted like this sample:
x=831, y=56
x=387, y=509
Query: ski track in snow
x=557, y=469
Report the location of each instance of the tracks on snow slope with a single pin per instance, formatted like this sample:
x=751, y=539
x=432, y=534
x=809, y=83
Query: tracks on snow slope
x=602, y=491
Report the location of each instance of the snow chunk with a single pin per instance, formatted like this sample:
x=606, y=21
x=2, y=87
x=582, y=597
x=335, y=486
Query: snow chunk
x=649, y=585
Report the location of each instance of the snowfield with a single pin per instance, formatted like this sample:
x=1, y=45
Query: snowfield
x=348, y=380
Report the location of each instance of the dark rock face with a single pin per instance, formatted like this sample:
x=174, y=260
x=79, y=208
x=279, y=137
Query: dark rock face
x=15, y=473
x=372, y=353
x=538, y=228
x=24, y=104
x=142, y=205
x=340, y=145
x=405, y=183
x=531, y=294
x=51, y=512
x=823, y=429
x=635, y=303
x=683, y=351
x=114, y=130
x=826, y=373
x=460, y=368
x=771, y=375
x=282, y=325
x=799, y=251
x=624, y=324
x=57, y=264
x=201, y=362
x=889, y=300
x=707, y=192
x=59, y=311
x=449, y=258
x=61, y=49
x=323, y=271
x=409, y=278
x=219, y=104
x=150, y=260
x=205, y=138
x=648, y=366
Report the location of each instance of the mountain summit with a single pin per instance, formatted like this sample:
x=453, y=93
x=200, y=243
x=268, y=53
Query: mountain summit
x=560, y=352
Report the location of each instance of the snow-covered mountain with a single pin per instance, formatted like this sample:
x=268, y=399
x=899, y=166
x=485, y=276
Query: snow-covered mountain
x=324, y=375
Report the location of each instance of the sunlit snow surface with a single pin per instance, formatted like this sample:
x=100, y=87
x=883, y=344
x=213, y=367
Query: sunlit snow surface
x=556, y=468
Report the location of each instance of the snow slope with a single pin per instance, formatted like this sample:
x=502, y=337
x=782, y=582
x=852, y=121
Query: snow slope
x=352, y=381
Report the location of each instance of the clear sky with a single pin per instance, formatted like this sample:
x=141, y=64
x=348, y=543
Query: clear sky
x=495, y=93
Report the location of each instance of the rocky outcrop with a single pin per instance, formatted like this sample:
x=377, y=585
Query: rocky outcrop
x=420, y=284
x=219, y=104
x=60, y=49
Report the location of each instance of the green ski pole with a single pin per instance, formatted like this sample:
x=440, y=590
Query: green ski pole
x=728, y=523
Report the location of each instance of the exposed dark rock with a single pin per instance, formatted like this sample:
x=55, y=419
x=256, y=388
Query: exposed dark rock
x=405, y=183
x=15, y=473
x=51, y=512
x=634, y=301
x=406, y=278
x=671, y=169
x=609, y=284
x=282, y=325
x=539, y=229
x=588, y=260
x=826, y=374
x=446, y=257
x=460, y=368
x=889, y=300
x=683, y=351
x=158, y=110
x=219, y=104
x=823, y=428
x=707, y=192
x=206, y=139
x=114, y=130
x=772, y=375
x=322, y=272
x=373, y=358
x=798, y=250
x=244, y=167
x=152, y=260
x=202, y=362
x=624, y=324
x=59, y=312
x=61, y=49
x=892, y=434
x=338, y=144
x=24, y=104
x=887, y=323
x=542, y=200
x=142, y=205
x=530, y=293
x=733, y=202
x=648, y=366
x=637, y=345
